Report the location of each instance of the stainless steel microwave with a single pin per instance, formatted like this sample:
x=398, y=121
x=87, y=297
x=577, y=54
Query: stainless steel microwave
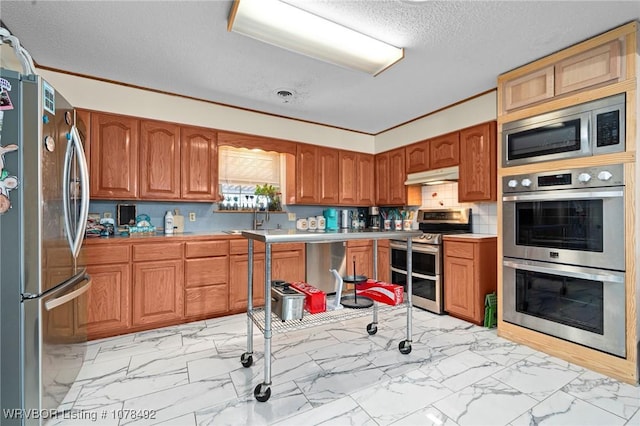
x=592, y=128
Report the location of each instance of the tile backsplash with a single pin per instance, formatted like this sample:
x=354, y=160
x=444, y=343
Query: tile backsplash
x=484, y=215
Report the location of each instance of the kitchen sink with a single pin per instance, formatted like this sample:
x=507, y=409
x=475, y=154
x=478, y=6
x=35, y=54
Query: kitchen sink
x=233, y=232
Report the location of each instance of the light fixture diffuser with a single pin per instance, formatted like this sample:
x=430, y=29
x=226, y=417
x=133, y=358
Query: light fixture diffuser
x=285, y=26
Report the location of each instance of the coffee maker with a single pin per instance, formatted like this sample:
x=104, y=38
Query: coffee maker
x=374, y=218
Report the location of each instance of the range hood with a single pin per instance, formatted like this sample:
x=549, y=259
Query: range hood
x=433, y=177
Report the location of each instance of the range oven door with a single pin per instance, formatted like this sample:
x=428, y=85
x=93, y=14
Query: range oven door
x=572, y=226
x=578, y=304
x=426, y=281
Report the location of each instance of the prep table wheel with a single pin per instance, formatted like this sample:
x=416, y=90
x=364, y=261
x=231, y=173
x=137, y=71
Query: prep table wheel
x=372, y=328
x=262, y=392
x=246, y=359
x=404, y=347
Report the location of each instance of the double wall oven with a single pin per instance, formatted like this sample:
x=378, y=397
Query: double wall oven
x=564, y=255
x=427, y=254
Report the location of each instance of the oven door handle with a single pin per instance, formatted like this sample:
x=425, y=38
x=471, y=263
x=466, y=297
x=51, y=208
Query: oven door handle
x=559, y=270
x=417, y=248
x=565, y=195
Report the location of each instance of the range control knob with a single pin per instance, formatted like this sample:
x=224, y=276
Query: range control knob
x=584, y=177
x=512, y=183
x=604, y=175
x=526, y=182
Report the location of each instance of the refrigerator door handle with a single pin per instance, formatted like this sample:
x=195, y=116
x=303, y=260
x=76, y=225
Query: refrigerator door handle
x=81, y=226
x=66, y=179
x=75, y=236
x=70, y=282
x=54, y=303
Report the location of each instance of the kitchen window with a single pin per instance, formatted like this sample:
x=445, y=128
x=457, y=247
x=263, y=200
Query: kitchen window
x=241, y=170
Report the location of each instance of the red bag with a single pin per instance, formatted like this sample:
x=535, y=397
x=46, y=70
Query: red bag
x=390, y=294
x=316, y=300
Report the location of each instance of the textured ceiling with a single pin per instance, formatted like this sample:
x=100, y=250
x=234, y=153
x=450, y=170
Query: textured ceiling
x=453, y=50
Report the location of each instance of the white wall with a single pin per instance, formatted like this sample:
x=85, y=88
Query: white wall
x=108, y=97
x=474, y=111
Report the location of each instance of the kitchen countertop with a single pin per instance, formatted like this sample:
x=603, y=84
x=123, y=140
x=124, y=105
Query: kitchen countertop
x=462, y=237
x=295, y=236
x=158, y=237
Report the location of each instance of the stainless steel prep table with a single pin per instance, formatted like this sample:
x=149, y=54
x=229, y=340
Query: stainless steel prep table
x=263, y=317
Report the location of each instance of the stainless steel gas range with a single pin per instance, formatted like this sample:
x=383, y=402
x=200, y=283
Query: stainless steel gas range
x=427, y=254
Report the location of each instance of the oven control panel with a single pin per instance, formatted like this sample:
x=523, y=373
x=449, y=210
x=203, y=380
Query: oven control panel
x=589, y=177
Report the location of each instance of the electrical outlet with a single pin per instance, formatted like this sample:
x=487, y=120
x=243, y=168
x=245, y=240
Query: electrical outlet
x=291, y=216
x=192, y=217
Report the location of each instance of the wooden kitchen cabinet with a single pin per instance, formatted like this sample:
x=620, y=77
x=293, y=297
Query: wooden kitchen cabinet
x=598, y=65
x=159, y=160
x=158, y=285
x=530, y=88
x=317, y=178
x=108, y=301
x=444, y=151
x=83, y=123
x=114, y=156
x=357, y=184
x=417, y=157
x=390, y=177
x=478, y=169
x=362, y=252
x=238, y=275
x=206, y=278
x=383, y=178
x=288, y=262
x=199, y=160
x=384, y=261
x=470, y=273
x=592, y=67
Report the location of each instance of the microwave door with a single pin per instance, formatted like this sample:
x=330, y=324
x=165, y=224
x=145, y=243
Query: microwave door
x=554, y=139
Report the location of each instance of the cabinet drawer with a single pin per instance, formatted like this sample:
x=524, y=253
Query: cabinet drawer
x=164, y=251
x=359, y=243
x=106, y=254
x=207, y=248
x=456, y=249
x=207, y=300
x=288, y=247
x=206, y=271
x=242, y=246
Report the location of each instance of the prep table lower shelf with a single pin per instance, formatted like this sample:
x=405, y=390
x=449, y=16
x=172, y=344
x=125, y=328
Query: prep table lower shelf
x=313, y=320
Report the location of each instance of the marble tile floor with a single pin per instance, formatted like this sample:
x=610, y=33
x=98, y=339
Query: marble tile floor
x=456, y=374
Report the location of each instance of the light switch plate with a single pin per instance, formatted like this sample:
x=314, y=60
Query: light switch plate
x=291, y=216
x=192, y=217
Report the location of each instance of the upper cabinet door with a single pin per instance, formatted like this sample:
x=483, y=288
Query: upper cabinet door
x=382, y=178
x=307, y=174
x=444, y=151
x=365, y=192
x=397, y=177
x=114, y=156
x=329, y=165
x=417, y=157
x=478, y=174
x=348, y=177
x=159, y=160
x=199, y=156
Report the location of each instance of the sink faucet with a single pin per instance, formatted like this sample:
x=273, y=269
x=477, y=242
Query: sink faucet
x=258, y=223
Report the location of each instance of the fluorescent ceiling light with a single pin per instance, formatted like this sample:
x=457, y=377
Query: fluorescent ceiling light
x=285, y=26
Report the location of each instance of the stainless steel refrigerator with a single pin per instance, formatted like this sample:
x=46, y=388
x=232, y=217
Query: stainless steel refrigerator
x=44, y=197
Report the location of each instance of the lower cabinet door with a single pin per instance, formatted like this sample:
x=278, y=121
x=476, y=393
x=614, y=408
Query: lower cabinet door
x=459, y=292
x=108, y=301
x=158, y=291
x=238, y=276
x=205, y=301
